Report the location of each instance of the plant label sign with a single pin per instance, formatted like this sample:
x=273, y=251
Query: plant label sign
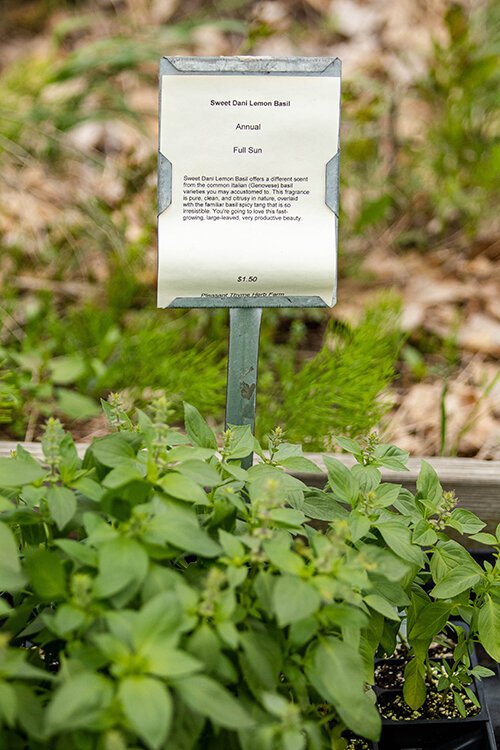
x=248, y=182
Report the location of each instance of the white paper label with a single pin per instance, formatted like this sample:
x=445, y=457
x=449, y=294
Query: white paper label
x=248, y=213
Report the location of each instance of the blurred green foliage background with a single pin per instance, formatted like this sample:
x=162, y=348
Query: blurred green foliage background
x=78, y=92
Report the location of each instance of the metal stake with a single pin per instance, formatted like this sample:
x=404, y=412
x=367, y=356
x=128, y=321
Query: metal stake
x=244, y=330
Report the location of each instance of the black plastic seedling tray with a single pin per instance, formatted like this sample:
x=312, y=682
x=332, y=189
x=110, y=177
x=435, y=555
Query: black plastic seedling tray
x=472, y=733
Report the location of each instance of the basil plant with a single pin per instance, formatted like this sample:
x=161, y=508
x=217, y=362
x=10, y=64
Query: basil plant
x=158, y=595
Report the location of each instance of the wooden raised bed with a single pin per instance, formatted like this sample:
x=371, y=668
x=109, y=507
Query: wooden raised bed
x=476, y=482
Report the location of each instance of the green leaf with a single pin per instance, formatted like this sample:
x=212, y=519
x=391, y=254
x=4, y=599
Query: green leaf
x=414, y=689
x=386, y=494
x=88, y=488
x=359, y=524
x=287, y=517
x=386, y=563
x=231, y=544
x=161, y=615
x=200, y=472
x=235, y=471
x=449, y=555
x=78, y=703
x=5, y=608
x=391, y=591
x=31, y=714
x=429, y=621
x=78, y=551
x=454, y=582
x=46, y=573
x=122, y=561
x=368, y=477
x=322, y=506
x=294, y=599
x=489, y=626
x=120, y=476
x=379, y=604
x=242, y=442
x=261, y=660
x=264, y=587
x=465, y=521
x=349, y=445
x=15, y=665
x=391, y=457
x=479, y=671
x=8, y=704
x=188, y=454
x=286, y=450
x=459, y=703
x=147, y=706
x=179, y=526
x=62, y=505
x=197, y=429
x=424, y=534
x=165, y=661
x=112, y=450
x=300, y=464
x=76, y=405
x=183, y=488
x=66, y=619
x=428, y=485
x=11, y=576
x=343, y=483
x=337, y=672
x=279, y=552
x=275, y=704
x=208, y=698
x=15, y=472
x=186, y=729
x=398, y=538
x=484, y=538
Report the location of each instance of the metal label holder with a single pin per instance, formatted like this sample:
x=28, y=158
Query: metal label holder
x=246, y=312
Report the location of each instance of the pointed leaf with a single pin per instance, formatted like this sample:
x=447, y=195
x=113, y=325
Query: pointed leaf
x=344, y=484
x=148, y=707
x=179, y=526
x=11, y=576
x=465, y=521
x=414, y=690
x=183, y=488
x=207, y=697
x=379, y=604
x=327, y=668
x=78, y=703
x=62, y=505
x=46, y=573
x=294, y=599
x=15, y=472
x=428, y=485
x=112, y=450
x=456, y=581
x=242, y=442
x=197, y=429
x=122, y=561
x=489, y=627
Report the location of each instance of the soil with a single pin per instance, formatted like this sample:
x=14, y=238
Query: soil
x=357, y=744
x=389, y=674
x=441, y=650
x=436, y=706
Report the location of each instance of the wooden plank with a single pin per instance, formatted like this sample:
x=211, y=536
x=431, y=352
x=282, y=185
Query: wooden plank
x=476, y=483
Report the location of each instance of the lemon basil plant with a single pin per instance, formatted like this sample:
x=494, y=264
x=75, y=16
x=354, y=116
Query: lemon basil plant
x=157, y=595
